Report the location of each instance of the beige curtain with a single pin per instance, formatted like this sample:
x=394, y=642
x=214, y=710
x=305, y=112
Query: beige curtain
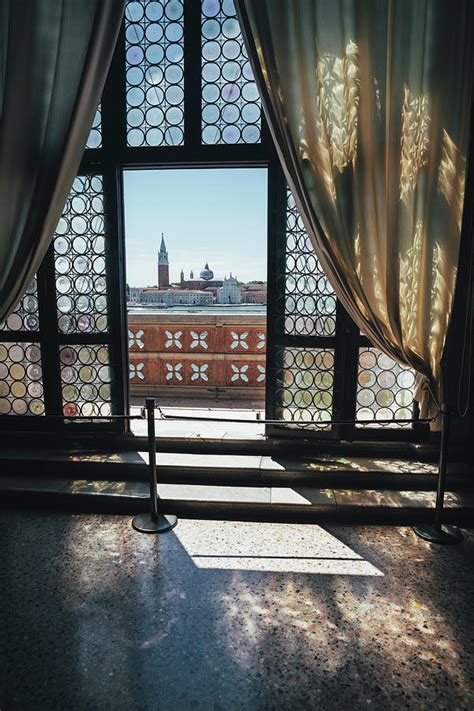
x=54, y=58
x=369, y=106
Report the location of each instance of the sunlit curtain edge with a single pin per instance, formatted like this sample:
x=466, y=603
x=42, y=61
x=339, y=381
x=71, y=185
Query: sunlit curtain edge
x=429, y=386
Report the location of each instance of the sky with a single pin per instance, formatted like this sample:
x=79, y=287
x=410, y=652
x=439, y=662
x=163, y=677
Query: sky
x=207, y=215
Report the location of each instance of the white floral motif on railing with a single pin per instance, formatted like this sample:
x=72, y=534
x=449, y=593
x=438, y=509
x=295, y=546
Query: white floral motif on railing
x=239, y=339
x=261, y=340
x=136, y=370
x=199, y=372
x=261, y=370
x=173, y=371
x=240, y=373
x=135, y=339
x=199, y=339
x=174, y=339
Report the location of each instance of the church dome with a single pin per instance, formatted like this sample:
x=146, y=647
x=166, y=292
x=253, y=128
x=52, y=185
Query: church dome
x=207, y=274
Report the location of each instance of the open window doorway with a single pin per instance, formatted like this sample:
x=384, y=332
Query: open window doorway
x=196, y=265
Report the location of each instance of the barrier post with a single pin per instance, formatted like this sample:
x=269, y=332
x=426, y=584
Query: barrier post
x=153, y=522
x=439, y=532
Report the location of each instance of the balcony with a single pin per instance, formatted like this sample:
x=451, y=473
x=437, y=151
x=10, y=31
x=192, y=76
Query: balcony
x=219, y=355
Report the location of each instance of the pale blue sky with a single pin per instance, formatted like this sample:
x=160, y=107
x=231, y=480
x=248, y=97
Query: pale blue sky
x=214, y=215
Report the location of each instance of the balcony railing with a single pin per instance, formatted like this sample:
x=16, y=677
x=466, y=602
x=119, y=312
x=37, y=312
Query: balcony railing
x=186, y=355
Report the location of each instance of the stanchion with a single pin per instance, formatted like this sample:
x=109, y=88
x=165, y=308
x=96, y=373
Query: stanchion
x=439, y=532
x=153, y=522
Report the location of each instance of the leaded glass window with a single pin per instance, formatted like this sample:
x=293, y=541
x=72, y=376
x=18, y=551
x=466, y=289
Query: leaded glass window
x=154, y=36
x=231, y=111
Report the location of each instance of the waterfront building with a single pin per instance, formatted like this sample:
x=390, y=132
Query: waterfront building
x=229, y=292
x=203, y=290
x=254, y=294
x=133, y=294
x=152, y=296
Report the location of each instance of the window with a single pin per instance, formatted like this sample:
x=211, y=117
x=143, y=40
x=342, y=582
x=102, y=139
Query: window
x=64, y=352
x=196, y=338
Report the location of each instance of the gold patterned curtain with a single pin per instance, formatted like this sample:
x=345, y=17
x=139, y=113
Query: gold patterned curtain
x=368, y=102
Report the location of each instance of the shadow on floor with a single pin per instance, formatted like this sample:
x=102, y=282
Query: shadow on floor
x=223, y=615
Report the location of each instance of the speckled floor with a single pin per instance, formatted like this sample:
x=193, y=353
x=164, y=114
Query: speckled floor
x=222, y=615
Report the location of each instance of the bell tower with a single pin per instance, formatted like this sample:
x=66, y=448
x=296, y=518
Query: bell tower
x=163, y=265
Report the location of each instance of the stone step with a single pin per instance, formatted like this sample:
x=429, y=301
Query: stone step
x=199, y=442
x=226, y=470
x=295, y=504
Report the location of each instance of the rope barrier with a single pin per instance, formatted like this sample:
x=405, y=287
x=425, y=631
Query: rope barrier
x=80, y=418
x=155, y=522
x=303, y=425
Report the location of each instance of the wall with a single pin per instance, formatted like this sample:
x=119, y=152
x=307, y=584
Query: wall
x=197, y=355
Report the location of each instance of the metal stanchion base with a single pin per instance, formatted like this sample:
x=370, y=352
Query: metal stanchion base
x=445, y=535
x=145, y=524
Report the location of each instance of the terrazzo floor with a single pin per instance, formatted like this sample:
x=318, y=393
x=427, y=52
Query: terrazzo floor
x=224, y=615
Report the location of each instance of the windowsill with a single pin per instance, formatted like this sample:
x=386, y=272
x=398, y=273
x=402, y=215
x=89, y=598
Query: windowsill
x=190, y=429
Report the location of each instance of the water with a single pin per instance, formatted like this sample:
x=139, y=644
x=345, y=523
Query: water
x=199, y=309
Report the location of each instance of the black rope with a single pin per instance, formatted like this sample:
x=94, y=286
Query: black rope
x=81, y=418
x=298, y=423
x=234, y=420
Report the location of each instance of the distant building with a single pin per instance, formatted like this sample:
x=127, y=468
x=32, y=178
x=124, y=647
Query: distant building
x=207, y=274
x=229, y=292
x=254, y=293
x=175, y=297
x=163, y=265
x=134, y=294
x=206, y=280
x=204, y=290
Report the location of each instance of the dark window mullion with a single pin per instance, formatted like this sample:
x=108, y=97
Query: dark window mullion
x=116, y=286
x=20, y=336
x=114, y=121
x=345, y=372
x=276, y=239
x=289, y=341
x=196, y=155
x=86, y=339
x=192, y=74
x=49, y=335
x=114, y=128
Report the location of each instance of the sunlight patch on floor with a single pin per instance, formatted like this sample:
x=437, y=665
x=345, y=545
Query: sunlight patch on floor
x=278, y=548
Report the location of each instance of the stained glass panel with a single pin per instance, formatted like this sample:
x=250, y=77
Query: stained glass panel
x=384, y=390
x=25, y=317
x=304, y=384
x=85, y=379
x=154, y=35
x=80, y=248
x=231, y=111
x=21, y=379
x=308, y=307
x=94, y=139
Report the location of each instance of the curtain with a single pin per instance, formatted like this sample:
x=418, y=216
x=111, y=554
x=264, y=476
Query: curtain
x=54, y=58
x=368, y=102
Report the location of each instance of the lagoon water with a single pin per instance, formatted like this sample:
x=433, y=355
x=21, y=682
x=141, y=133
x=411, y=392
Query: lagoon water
x=199, y=309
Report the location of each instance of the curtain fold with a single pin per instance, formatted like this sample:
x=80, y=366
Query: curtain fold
x=54, y=58
x=368, y=102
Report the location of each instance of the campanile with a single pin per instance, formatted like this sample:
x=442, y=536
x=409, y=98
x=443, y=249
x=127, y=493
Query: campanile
x=163, y=265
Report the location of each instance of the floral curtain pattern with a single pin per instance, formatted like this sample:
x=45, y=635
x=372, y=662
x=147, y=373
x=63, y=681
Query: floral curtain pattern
x=369, y=105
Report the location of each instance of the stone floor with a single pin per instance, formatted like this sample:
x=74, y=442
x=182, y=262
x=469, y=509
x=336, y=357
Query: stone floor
x=225, y=615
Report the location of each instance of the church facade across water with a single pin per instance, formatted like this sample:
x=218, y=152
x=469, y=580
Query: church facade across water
x=202, y=291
